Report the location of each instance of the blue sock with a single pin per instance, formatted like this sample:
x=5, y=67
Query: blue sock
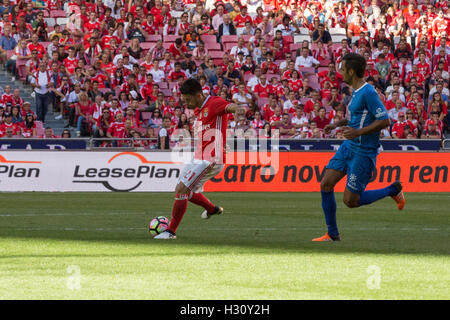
x=367, y=197
x=329, y=208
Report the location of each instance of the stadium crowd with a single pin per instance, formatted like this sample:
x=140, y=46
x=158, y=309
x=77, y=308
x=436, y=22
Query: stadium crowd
x=113, y=68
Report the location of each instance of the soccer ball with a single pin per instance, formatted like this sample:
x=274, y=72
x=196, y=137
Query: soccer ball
x=158, y=225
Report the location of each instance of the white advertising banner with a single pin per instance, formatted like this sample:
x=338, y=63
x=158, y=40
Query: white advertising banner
x=88, y=171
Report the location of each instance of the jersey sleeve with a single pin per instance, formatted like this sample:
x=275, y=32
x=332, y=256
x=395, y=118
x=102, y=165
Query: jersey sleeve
x=375, y=106
x=220, y=106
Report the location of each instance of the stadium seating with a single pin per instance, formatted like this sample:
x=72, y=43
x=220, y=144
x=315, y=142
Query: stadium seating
x=216, y=50
x=298, y=38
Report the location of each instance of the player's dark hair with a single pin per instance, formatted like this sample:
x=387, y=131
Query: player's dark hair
x=191, y=86
x=355, y=62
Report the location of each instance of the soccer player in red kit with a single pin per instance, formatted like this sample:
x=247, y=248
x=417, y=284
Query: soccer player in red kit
x=209, y=156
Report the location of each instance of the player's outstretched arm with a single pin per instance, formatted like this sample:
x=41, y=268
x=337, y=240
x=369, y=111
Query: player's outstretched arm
x=233, y=108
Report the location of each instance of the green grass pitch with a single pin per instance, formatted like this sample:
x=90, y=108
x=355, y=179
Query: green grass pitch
x=96, y=246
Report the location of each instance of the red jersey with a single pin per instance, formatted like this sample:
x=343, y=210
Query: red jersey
x=14, y=126
x=241, y=20
x=84, y=109
x=211, y=115
x=296, y=84
x=271, y=68
x=92, y=25
x=257, y=124
x=101, y=79
x=274, y=119
x=150, y=28
x=147, y=65
x=28, y=132
x=399, y=128
x=107, y=39
x=262, y=90
x=117, y=130
x=7, y=98
x=174, y=75
x=309, y=106
x=268, y=112
x=424, y=69
x=177, y=51
x=70, y=64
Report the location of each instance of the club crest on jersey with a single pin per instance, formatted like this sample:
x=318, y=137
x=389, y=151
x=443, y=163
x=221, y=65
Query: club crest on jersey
x=205, y=114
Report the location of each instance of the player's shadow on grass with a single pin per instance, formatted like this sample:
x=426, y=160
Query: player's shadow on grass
x=252, y=243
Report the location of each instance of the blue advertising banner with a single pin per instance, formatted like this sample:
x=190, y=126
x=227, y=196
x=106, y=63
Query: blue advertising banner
x=40, y=144
x=333, y=145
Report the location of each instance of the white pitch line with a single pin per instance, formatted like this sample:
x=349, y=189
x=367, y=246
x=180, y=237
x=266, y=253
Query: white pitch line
x=225, y=229
x=79, y=214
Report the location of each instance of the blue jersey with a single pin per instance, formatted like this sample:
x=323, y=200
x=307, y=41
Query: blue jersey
x=364, y=108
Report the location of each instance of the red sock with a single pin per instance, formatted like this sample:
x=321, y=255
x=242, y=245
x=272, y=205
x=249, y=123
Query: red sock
x=178, y=211
x=201, y=200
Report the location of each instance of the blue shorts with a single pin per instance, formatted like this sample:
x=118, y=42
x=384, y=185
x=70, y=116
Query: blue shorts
x=358, y=168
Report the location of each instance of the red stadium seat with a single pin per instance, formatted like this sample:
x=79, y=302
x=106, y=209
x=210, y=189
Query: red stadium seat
x=228, y=46
x=304, y=100
x=320, y=69
x=208, y=38
x=58, y=14
x=146, y=116
x=248, y=76
x=147, y=45
x=153, y=38
x=216, y=54
x=272, y=75
x=163, y=85
x=314, y=82
x=246, y=37
x=306, y=70
x=167, y=92
x=213, y=46
x=39, y=124
x=172, y=85
x=226, y=39
x=278, y=62
x=171, y=38
x=325, y=63
x=45, y=44
x=295, y=46
x=21, y=68
x=262, y=102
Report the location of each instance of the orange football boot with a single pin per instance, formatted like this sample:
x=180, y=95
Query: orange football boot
x=399, y=198
x=327, y=237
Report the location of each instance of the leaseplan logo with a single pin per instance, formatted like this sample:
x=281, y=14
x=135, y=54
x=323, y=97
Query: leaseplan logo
x=18, y=168
x=125, y=174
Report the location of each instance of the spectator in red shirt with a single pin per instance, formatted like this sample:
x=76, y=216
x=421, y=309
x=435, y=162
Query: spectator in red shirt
x=176, y=73
x=92, y=24
x=262, y=89
x=117, y=130
x=178, y=49
x=322, y=120
x=286, y=128
x=242, y=17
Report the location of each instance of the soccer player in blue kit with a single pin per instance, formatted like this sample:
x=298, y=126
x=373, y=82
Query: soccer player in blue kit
x=356, y=157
